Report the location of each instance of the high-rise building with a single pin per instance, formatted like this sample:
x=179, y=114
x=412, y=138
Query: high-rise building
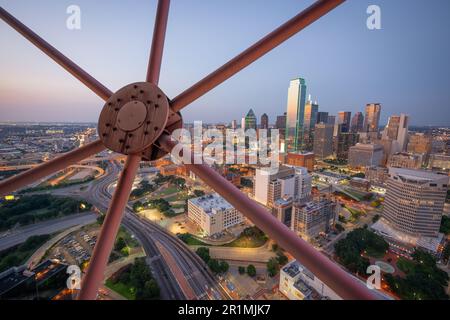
x=288, y=181
x=415, y=200
x=282, y=210
x=344, y=118
x=264, y=121
x=309, y=121
x=322, y=116
x=234, y=124
x=313, y=218
x=243, y=123
x=280, y=124
x=331, y=120
x=213, y=214
x=250, y=120
x=372, y=117
x=310, y=117
x=343, y=142
x=323, y=140
x=397, y=131
x=364, y=155
x=357, y=122
x=295, y=114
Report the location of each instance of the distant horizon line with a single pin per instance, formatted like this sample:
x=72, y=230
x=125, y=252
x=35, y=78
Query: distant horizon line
x=10, y=122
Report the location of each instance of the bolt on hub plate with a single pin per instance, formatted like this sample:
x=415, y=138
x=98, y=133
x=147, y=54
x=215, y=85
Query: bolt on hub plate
x=133, y=118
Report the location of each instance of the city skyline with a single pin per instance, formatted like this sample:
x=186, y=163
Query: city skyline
x=35, y=90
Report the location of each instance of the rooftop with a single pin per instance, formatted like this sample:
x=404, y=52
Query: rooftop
x=422, y=175
x=211, y=203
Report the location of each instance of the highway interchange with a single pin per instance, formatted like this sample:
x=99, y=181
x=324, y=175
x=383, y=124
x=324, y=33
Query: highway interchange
x=201, y=280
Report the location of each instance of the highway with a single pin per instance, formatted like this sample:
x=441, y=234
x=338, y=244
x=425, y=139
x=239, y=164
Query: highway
x=19, y=235
x=200, y=279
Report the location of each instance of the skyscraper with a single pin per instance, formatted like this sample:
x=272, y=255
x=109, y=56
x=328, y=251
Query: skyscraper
x=415, y=201
x=243, y=123
x=323, y=140
x=331, y=120
x=310, y=118
x=250, y=120
x=357, y=122
x=264, y=121
x=280, y=124
x=397, y=131
x=295, y=114
x=309, y=122
x=344, y=118
x=372, y=118
x=234, y=125
x=322, y=117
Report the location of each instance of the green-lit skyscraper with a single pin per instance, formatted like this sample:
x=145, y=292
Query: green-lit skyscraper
x=295, y=114
x=250, y=120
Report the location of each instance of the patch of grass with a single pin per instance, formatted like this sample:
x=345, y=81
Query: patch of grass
x=249, y=238
x=190, y=240
x=169, y=190
x=122, y=289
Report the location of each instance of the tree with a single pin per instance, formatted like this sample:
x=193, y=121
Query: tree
x=224, y=266
x=445, y=225
x=272, y=267
x=339, y=227
x=198, y=193
x=138, y=206
x=375, y=218
x=241, y=270
x=214, y=265
x=120, y=244
x=281, y=258
x=251, y=270
x=204, y=254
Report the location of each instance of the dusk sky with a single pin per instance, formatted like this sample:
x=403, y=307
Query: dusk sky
x=405, y=66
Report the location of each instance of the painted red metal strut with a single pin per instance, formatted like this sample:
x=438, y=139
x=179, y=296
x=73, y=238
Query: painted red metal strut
x=326, y=270
x=99, y=260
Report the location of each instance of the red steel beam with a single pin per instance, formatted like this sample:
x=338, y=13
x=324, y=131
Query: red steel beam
x=331, y=274
x=57, y=56
x=50, y=167
x=97, y=265
x=260, y=48
x=159, y=35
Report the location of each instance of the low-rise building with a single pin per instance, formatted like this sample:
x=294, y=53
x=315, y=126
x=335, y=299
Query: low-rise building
x=300, y=159
x=298, y=283
x=405, y=160
x=213, y=214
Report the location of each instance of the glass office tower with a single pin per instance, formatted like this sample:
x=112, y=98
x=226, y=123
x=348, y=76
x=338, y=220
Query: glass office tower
x=295, y=114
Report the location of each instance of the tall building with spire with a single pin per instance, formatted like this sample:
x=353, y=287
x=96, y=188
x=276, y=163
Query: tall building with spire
x=250, y=120
x=295, y=114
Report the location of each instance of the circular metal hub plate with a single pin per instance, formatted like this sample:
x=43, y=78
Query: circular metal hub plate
x=133, y=118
